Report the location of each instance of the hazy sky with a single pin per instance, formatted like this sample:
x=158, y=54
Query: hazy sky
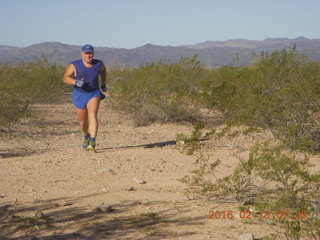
x=134, y=23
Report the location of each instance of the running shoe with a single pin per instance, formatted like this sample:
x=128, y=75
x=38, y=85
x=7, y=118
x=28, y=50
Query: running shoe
x=92, y=145
x=86, y=142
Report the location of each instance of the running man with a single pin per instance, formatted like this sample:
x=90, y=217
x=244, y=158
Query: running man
x=84, y=75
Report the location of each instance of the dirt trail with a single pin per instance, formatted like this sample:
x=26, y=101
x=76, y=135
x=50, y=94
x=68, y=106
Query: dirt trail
x=49, y=172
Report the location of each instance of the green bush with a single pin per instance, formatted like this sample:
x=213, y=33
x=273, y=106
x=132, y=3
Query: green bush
x=280, y=92
x=165, y=92
x=272, y=185
x=24, y=84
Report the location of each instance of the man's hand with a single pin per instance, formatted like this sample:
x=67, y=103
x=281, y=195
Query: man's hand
x=79, y=83
x=104, y=88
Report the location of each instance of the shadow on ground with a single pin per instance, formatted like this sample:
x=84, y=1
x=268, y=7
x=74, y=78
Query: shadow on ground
x=149, y=145
x=22, y=152
x=67, y=221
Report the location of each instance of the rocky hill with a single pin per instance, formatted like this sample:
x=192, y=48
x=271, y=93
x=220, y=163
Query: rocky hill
x=211, y=53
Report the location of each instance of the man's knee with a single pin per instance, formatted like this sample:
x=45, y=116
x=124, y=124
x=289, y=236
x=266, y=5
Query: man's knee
x=92, y=116
x=83, y=122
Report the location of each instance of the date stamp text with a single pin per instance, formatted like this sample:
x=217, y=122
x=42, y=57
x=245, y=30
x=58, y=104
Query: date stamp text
x=258, y=215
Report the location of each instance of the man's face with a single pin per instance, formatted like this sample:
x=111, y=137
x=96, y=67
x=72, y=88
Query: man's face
x=87, y=57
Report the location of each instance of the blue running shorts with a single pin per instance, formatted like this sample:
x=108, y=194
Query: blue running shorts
x=81, y=98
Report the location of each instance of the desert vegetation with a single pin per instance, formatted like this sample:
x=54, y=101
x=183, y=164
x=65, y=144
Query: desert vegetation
x=278, y=92
x=272, y=185
x=24, y=84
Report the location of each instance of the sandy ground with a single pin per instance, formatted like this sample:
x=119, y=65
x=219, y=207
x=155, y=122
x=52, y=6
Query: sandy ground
x=52, y=189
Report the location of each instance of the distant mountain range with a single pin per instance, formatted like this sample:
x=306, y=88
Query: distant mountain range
x=211, y=53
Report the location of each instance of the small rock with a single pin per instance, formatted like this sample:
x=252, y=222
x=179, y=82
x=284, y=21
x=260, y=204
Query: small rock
x=130, y=188
x=39, y=214
x=106, y=170
x=61, y=203
x=34, y=238
x=139, y=181
x=105, y=208
x=246, y=236
x=192, y=198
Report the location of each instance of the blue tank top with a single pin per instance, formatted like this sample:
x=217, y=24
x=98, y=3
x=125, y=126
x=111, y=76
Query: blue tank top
x=90, y=75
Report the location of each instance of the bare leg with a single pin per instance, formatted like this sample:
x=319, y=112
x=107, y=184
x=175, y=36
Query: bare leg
x=92, y=107
x=83, y=120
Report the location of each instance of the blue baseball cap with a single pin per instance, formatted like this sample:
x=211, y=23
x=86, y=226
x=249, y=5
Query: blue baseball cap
x=87, y=49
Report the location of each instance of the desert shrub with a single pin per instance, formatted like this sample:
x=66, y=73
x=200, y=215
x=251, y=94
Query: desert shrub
x=295, y=102
x=271, y=184
x=291, y=189
x=280, y=91
x=27, y=83
x=190, y=144
x=276, y=88
x=41, y=81
x=170, y=90
x=13, y=105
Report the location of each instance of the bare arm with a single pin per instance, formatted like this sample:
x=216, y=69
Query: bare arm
x=69, y=74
